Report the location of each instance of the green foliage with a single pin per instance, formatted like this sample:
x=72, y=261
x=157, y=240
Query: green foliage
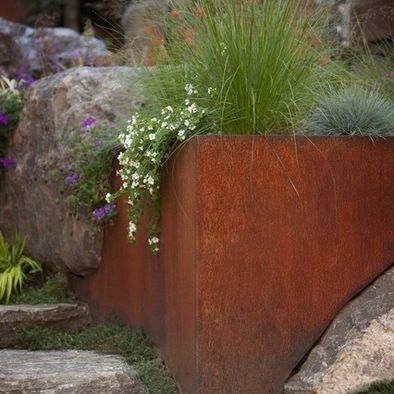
x=11, y=104
x=53, y=290
x=108, y=338
x=93, y=150
x=353, y=111
x=380, y=388
x=372, y=64
x=261, y=60
x=14, y=267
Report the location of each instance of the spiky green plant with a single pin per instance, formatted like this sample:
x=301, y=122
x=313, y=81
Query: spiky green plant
x=14, y=266
x=260, y=62
x=353, y=110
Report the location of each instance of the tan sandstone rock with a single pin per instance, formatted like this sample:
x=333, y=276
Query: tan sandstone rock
x=32, y=200
x=356, y=350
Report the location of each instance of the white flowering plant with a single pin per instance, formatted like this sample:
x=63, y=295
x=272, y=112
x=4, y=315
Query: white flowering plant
x=148, y=143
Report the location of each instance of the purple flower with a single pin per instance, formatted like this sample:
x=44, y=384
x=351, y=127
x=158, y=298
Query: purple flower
x=25, y=79
x=99, y=213
x=87, y=122
x=8, y=162
x=72, y=179
x=97, y=142
x=3, y=119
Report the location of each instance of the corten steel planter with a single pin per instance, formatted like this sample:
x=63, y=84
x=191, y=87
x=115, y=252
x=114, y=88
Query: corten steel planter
x=263, y=241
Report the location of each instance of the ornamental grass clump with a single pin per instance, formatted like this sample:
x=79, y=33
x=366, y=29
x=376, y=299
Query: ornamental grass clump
x=260, y=59
x=352, y=111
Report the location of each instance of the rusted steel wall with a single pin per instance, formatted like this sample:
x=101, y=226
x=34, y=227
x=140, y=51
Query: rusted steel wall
x=263, y=241
x=12, y=10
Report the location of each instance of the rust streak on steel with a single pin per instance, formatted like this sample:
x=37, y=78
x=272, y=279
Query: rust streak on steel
x=263, y=241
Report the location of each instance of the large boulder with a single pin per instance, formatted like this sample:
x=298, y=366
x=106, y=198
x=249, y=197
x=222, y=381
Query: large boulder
x=31, y=199
x=69, y=372
x=48, y=49
x=356, y=350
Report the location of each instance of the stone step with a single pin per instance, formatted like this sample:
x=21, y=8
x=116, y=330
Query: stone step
x=66, y=372
x=67, y=317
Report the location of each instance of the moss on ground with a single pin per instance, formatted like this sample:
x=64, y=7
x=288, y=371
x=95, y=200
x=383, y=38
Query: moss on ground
x=379, y=388
x=108, y=338
x=52, y=290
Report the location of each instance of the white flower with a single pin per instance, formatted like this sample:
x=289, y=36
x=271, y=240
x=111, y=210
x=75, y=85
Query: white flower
x=108, y=197
x=135, y=176
x=187, y=123
x=124, y=185
x=190, y=89
x=169, y=109
x=152, y=136
x=153, y=241
x=181, y=133
x=192, y=109
x=133, y=120
x=132, y=230
x=187, y=102
x=211, y=91
x=149, y=180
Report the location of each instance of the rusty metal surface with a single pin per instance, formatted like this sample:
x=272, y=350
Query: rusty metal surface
x=263, y=241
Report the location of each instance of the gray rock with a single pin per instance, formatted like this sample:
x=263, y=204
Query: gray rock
x=32, y=199
x=49, y=49
x=357, y=349
x=67, y=317
x=69, y=372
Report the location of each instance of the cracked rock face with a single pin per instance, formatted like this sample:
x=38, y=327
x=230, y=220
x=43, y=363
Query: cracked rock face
x=32, y=200
x=69, y=372
x=357, y=349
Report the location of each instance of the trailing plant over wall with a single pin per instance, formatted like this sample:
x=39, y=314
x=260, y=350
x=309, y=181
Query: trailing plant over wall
x=353, y=110
x=262, y=60
x=148, y=143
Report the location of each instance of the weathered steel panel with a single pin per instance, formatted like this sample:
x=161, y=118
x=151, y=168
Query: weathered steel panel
x=263, y=241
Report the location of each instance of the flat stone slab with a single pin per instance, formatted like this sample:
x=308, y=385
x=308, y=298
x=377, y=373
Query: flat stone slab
x=356, y=350
x=68, y=372
x=67, y=317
